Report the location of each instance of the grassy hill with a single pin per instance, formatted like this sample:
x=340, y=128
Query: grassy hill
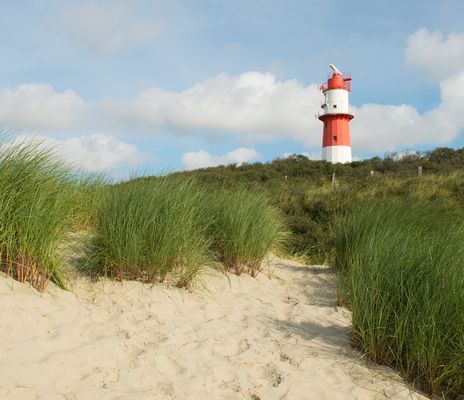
x=309, y=199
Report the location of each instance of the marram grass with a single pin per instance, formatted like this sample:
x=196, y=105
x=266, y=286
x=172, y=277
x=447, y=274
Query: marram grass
x=171, y=227
x=144, y=229
x=402, y=269
x=245, y=228
x=150, y=230
x=36, y=207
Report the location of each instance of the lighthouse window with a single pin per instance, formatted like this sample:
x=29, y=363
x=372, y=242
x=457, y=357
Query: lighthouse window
x=335, y=106
x=334, y=138
x=325, y=124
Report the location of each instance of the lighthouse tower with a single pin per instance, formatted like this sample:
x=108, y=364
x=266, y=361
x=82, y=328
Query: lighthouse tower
x=336, y=116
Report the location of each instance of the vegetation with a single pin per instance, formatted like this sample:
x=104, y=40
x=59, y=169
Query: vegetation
x=245, y=228
x=303, y=190
x=149, y=231
x=86, y=202
x=36, y=209
x=170, y=227
x=396, y=239
x=402, y=271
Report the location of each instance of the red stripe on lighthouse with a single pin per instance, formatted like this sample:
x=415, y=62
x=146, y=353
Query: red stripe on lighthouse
x=336, y=130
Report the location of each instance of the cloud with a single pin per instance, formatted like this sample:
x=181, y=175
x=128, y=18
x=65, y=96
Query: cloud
x=253, y=105
x=203, y=159
x=94, y=153
x=100, y=152
x=39, y=106
x=313, y=155
x=390, y=127
x=256, y=107
x=438, y=55
x=108, y=27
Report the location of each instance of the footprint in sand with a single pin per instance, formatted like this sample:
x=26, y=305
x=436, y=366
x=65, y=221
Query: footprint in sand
x=286, y=358
x=272, y=374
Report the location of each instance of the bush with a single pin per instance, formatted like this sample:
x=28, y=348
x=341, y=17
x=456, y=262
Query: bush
x=402, y=269
x=36, y=207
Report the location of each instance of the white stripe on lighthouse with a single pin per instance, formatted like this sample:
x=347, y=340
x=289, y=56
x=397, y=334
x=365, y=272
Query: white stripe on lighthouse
x=337, y=154
x=336, y=101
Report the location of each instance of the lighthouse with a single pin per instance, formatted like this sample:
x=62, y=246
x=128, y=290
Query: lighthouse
x=336, y=116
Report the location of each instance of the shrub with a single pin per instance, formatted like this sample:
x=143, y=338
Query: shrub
x=402, y=269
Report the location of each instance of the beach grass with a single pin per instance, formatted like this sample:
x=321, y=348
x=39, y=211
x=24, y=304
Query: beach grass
x=173, y=227
x=86, y=201
x=149, y=231
x=401, y=265
x=246, y=227
x=36, y=208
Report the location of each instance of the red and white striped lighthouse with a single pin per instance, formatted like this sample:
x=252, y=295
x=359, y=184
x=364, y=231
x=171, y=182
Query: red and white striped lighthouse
x=336, y=116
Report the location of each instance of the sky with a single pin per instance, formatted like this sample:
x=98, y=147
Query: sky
x=155, y=86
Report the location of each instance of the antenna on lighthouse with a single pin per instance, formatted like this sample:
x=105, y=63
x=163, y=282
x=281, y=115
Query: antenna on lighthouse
x=334, y=69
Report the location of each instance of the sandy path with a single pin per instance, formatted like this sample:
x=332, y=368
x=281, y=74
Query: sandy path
x=247, y=338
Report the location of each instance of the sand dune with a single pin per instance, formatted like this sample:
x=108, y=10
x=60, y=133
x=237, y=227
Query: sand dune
x=244, y=338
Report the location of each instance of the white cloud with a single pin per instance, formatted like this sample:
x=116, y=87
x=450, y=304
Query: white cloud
x=313, y=155
x=203, y=159
x=254, y=105
x=100, y=152
x=438, y=55
x=108, y=27
x=389, y=127
x=94, y=153
x=39, y=106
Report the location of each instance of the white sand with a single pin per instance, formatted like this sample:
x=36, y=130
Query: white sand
x=247, y=338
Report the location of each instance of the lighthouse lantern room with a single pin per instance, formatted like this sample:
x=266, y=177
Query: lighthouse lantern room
x=336, y=116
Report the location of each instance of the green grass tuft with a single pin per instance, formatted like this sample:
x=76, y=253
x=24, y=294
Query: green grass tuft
x=402, y=271
x=245, y=228
x=36, y=197
x=151, y=230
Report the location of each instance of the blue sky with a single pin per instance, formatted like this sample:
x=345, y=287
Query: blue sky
x=162, y=85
